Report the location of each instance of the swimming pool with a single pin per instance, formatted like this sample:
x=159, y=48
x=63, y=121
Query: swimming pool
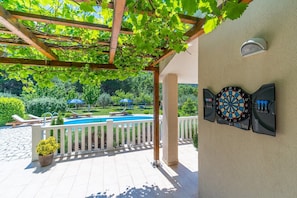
x=103, y=119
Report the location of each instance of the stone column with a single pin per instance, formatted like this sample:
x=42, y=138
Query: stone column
x=36, y=137
x=170, y=119
x=109, y=133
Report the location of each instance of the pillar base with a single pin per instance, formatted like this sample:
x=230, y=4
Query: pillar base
x=156, y=164
x=173, y=163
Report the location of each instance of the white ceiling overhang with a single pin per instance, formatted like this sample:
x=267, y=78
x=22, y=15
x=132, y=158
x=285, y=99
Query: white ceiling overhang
x=184, y=65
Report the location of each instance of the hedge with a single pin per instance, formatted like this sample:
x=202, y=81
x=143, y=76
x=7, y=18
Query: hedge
x=9, y=107
x=40, y=106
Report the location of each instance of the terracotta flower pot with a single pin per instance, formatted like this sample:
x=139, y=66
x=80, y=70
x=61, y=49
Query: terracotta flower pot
x=45, y=160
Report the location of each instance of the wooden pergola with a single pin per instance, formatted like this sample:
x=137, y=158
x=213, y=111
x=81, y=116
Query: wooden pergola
x=12, y=23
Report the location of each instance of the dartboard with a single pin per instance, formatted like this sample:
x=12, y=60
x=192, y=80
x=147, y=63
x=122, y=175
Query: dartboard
x=232, y=104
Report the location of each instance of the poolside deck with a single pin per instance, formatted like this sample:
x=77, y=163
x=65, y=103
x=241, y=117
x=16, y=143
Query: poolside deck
x=109, y=174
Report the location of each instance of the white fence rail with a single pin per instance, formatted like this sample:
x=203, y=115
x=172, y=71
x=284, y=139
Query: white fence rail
x=186, y=127
x=83, y=138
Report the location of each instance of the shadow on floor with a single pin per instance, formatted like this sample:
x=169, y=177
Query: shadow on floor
x=79, y=156
x=185, y=186
x=184, y=179
x=144, y=191
x=38, y=169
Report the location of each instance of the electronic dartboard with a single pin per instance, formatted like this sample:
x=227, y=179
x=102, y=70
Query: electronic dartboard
x=234, y=107
x=232, y=104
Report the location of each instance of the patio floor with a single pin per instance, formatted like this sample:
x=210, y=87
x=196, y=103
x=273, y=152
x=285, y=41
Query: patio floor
x=109, y=174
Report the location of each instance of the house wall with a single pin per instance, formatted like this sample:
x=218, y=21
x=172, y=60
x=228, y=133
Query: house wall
x=236, y=163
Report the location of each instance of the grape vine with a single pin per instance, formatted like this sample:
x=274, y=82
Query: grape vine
x=156, y=26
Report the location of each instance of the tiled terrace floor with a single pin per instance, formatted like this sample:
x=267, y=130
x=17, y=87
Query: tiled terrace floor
x=112, y=174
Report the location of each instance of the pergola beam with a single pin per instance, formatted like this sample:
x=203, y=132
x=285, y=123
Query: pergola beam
x=62, y=64
x=195, y=31
x=183, y=18
x=64, y=22
x=55, y=37
x=119, y=7
x=55, y=63
x=13, y=42
x=21, y=31
x=156, y=139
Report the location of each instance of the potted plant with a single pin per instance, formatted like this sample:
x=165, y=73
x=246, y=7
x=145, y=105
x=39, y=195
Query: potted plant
x=46, y=149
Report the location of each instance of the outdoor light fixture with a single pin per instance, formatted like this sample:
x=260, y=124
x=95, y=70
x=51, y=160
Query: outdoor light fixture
x=253, y=46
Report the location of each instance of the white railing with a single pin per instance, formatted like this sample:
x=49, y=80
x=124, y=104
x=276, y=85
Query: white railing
x=83, y=138
x=186, y=127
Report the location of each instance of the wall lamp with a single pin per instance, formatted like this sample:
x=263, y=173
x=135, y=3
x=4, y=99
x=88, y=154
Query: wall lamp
x=253, y=46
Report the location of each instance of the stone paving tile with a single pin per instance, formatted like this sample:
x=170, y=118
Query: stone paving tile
x=15, y=143
x=127, y=174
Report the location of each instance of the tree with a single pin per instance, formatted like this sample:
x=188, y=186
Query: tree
x=104, y=100
x=185, y=92
x=120, y=94
x=10, y=86
x=142, y=83
x=58, y=90
x=90, y=94
x=110, y=86
x=146, y=99
x=189, y=107
x=187, y=89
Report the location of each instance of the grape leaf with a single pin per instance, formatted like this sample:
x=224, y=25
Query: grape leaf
x=234, y=10
x=210, y=24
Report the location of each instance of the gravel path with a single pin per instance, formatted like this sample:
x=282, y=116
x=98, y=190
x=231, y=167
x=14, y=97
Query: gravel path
x=15, y=143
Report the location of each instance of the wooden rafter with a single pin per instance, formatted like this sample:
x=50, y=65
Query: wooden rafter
x=21, y=31
x=18, y=42
x=64, y=22
x=14, y=42
x=119, y=7
x=5, y=30
x=55, y=63
x=55, y=37
x=195, y=31
x=63, y=64
x=184, y=18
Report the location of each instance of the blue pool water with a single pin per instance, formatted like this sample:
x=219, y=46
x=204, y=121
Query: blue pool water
x=103, y=119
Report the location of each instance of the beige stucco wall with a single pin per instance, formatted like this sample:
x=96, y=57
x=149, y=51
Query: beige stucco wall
x=235, y=163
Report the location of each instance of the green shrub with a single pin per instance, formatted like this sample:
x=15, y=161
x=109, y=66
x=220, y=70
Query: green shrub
x=68, y=115
x=104, y=100
x=8, y=95
x=189, y=107
x=195, y=139
x=129, y=112
x=53, y=122
x=58, y=121
x=9, y=107
x=39, y=106
x=146, y=112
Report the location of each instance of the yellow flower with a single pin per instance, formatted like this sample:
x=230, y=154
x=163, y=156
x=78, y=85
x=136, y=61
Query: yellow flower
x=47, y=146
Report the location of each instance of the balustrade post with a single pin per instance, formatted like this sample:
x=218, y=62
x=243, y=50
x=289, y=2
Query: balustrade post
x=109, y=134
x=36, y=137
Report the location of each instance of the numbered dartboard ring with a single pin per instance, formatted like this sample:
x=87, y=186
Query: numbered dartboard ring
x=232, y=104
